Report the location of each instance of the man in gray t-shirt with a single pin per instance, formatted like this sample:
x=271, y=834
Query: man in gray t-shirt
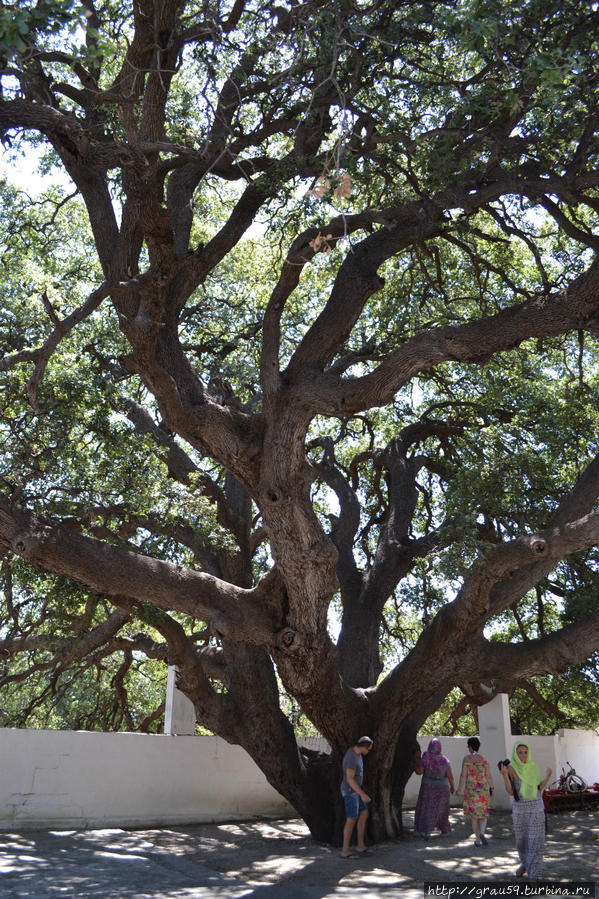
x=354, y=797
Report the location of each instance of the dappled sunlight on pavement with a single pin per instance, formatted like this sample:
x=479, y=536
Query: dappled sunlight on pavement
x=262, y=859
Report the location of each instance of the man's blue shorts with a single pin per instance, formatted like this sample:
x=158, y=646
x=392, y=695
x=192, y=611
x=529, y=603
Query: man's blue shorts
x=354, y=804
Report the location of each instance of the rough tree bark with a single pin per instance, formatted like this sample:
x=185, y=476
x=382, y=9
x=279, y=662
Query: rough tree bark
x=265, y=126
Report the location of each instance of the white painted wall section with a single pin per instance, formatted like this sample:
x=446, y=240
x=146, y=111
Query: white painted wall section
x=179, y=712
x=78, y=779
x=580, y=748
x=83, y=779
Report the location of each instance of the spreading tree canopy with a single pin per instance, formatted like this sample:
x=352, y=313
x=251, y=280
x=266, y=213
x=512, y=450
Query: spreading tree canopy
x=299, y=369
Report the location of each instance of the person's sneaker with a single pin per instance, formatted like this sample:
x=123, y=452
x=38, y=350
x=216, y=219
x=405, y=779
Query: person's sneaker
x=484, y=840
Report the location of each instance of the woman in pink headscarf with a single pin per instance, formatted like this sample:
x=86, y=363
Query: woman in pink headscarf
x=432, y=808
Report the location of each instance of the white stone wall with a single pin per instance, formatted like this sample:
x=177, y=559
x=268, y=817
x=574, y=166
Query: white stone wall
x=78, y=779
x=580, y=748
x=455, y=749
x=83, y=779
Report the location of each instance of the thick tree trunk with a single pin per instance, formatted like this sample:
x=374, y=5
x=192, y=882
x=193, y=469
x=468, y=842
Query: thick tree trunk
x=326, y=814
x=387, y=770
x=359, y=660
x=324, y=805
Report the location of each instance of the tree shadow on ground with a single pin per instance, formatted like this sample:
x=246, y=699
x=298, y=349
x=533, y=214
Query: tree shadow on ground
x=260, y=859
x=106, y=864
x=277, y=852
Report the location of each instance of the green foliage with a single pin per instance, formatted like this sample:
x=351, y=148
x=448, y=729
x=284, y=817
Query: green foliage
x=22, y=22
x=481, y=90
x=570, y=703
x=51, y=685
x=77, y=461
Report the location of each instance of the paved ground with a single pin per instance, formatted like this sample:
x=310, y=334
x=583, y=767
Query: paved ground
x=277, y=860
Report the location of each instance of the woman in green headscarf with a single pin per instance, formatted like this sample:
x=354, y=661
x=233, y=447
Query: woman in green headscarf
x=524, y=783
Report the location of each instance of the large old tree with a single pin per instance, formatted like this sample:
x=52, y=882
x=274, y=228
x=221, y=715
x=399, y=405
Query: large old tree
x=299, y=363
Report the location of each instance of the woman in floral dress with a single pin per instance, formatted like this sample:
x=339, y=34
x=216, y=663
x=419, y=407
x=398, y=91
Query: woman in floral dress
x=477, y=784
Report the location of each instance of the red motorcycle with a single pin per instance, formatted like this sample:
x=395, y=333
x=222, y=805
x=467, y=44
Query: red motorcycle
x=570, y=791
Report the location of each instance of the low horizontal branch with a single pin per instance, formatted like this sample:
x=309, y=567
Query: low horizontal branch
x=229, y=611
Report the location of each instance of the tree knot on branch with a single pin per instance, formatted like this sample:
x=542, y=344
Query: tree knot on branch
x=23, y=544
x=539, y=547
x=288, y=639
